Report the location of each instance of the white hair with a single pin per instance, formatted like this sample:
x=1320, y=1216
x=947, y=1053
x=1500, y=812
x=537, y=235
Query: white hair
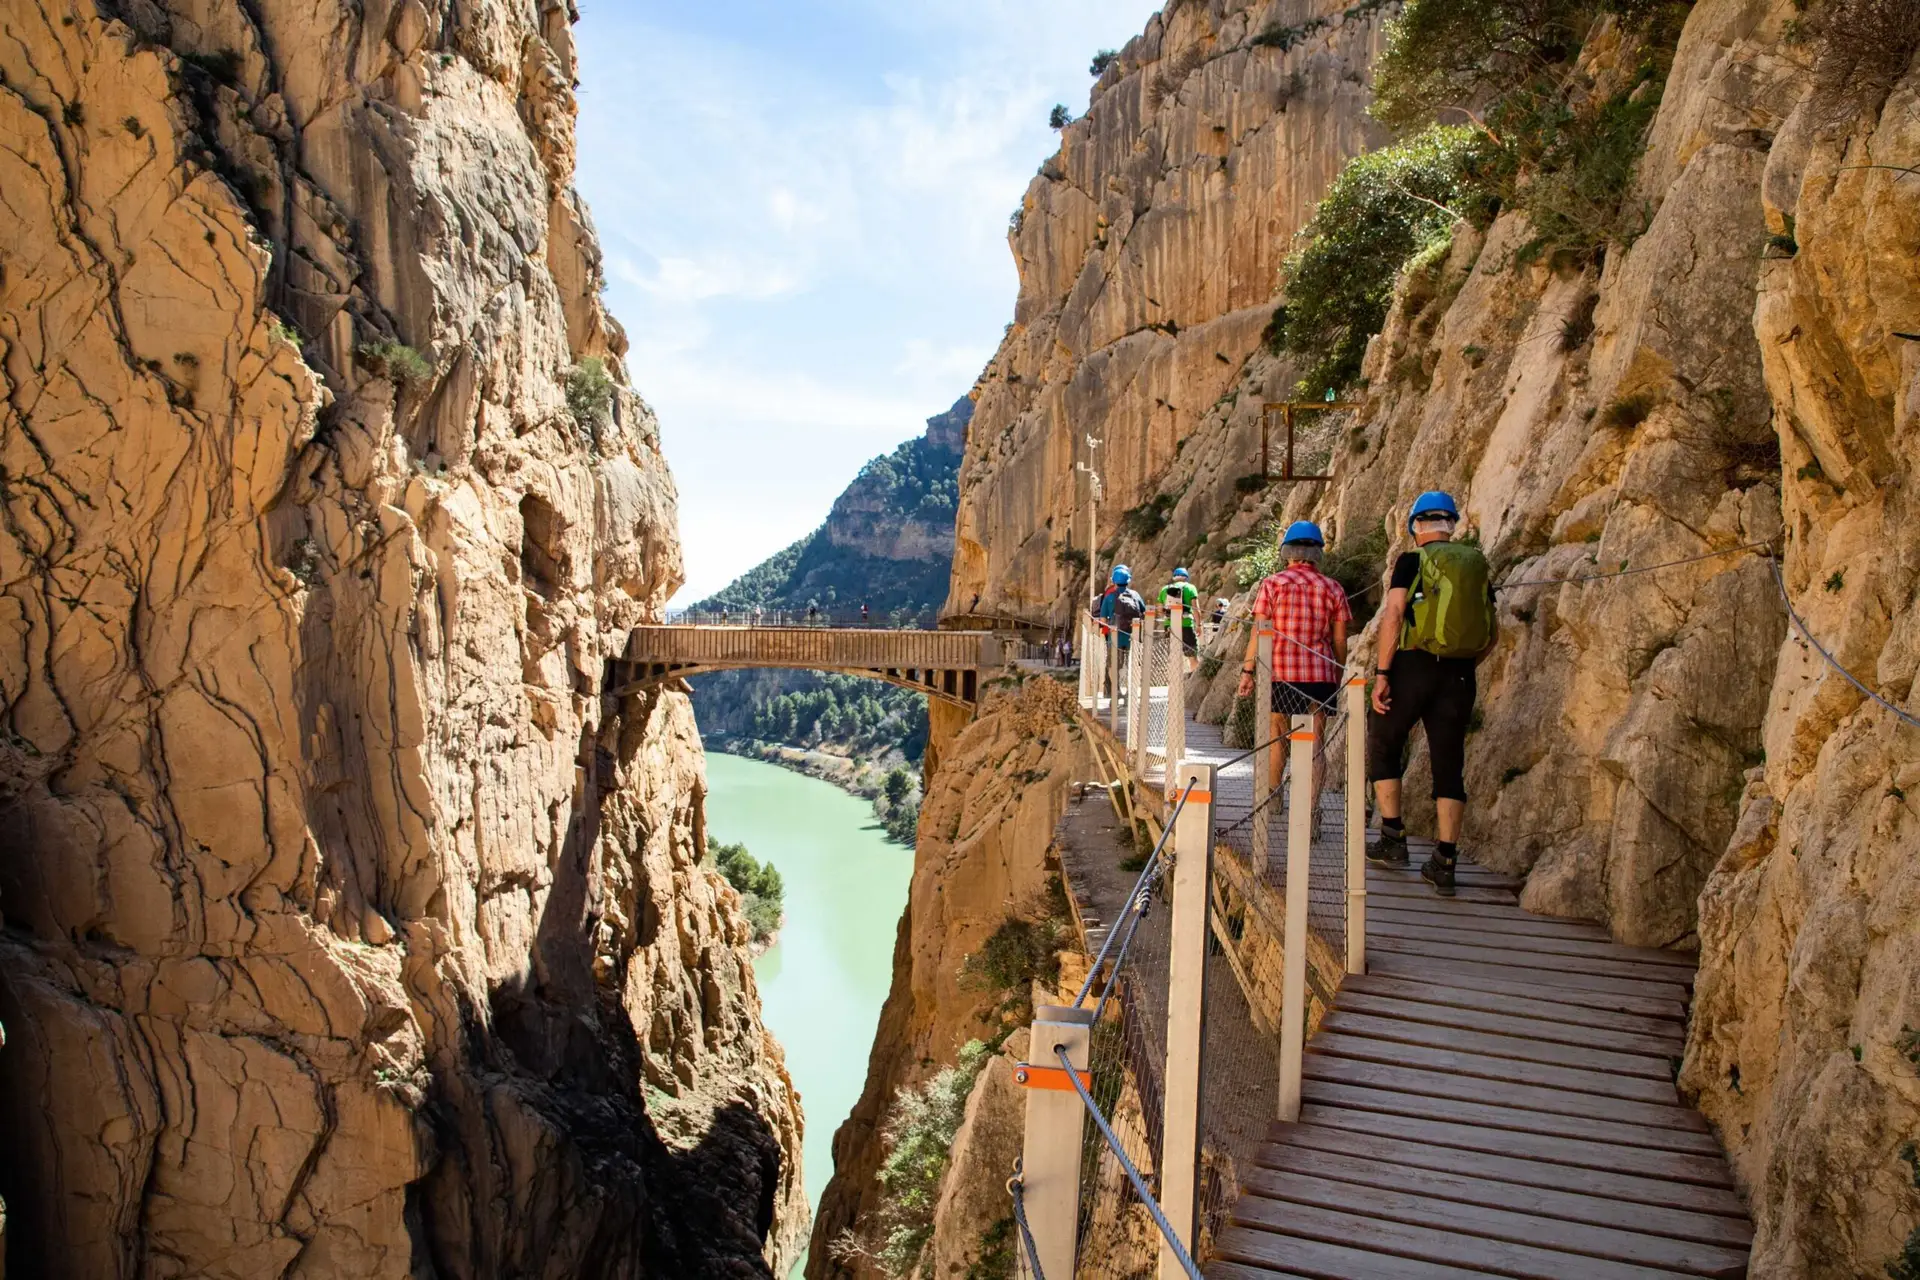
x=1301, y=551
x=1437, y=523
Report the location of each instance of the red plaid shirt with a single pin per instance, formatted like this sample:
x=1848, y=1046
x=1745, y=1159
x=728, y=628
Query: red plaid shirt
x=1304, y=603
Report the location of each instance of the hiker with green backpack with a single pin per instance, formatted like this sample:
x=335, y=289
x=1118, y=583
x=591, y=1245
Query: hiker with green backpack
x=1435, y=627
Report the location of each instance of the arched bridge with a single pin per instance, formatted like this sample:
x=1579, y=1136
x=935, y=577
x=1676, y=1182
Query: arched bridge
x=948, y=665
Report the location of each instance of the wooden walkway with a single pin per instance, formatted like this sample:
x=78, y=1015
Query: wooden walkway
x=1494, y=1097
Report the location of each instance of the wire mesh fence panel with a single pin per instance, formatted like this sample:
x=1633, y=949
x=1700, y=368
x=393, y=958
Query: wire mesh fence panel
x=1327, y=879
x=1117, y=1236
x=1161, y=669
x=1239, y=1082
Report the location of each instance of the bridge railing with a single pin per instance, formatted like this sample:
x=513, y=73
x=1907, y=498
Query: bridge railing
x=1228, y=969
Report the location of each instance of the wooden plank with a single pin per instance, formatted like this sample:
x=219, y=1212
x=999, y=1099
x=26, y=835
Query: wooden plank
x=1606, y=1211
x=1662, y=999
x=1492, y=979
x=1668, y=1165
x=1459, y=1247
x=1558, y=1004
x=1504, y=1070
x=1430, y=902
x=1436, y=931
x=1398, y=1078
x=1424, y=892
x=1325, y=1260
x=1543, y=926
x=1568, y=968
x=1424, y=1106
x=1664, y=1046
x=1234, y=1271
x=1634, y=1249
x=1498, y=1044
x=1418, y=1153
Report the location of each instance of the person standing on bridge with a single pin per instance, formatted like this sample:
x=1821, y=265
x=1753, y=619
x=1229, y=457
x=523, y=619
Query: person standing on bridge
x=1118, y=607
x=1181, y=589
x=1436, y=626
x=1310, y=614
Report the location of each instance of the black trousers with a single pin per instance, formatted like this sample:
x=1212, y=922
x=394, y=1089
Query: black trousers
x=1431, y=691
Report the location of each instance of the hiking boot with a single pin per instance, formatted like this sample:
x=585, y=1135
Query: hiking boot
x=1390, y=850
x=1438, y=872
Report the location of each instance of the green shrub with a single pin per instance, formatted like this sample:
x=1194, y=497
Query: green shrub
x=1628, y=412
x=394, y=361
x=1907, y=1265
x=997, y=1260
x=1385, y=207
x=762, y=893
x=1014, y=955
x=1101, y=61
x=1149, y=518
x=1059, y=117
x=1568, y=164
x=590, y=396
x=1071, y=558
x=918, y=1137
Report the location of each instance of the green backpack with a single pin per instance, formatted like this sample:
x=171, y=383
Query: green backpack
x=1450, y=612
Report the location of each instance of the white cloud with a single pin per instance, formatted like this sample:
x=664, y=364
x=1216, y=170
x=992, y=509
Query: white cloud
x=804, y=211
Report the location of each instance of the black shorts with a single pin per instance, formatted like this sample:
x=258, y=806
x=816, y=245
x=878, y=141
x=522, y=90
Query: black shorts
x=1304, y=697
x=1190, y=641
x=1437, y=693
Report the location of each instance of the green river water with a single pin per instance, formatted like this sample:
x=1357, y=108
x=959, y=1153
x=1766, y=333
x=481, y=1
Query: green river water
x=823, y=982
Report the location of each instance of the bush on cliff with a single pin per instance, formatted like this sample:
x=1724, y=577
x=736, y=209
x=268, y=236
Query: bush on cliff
x=763, y=895
x=918, y=1136
x=1385, y=207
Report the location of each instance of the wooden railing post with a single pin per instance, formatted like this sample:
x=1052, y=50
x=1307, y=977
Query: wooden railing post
x=1356, y=693
x=1141, y=689
x=1056, y=1123
x=1113, y=678
x=1086, y=658
x=1174, y=744
x=1293, y=955
x=1260, y=837
x=1186, y=1009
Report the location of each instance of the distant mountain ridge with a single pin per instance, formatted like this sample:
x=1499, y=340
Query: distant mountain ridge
x=887, y=542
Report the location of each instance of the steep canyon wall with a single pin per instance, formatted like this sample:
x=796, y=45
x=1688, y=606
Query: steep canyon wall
x=350, y=929
x=1658, y=750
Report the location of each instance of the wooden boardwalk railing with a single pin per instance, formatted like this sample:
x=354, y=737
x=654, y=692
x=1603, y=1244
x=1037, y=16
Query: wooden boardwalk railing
x=943, y=664
x=1494, y=1096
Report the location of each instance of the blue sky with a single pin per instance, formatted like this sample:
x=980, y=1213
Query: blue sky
x=804, y=207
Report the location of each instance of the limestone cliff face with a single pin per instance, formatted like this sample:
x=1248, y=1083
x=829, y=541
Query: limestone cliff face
x=1659, y=751
x=351, y=931
x=1806, y=1038
x=995, y=795
x=1149, y=251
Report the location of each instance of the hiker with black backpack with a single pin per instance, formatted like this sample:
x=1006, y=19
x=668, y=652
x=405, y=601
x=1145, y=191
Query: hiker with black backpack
x=1436, y=626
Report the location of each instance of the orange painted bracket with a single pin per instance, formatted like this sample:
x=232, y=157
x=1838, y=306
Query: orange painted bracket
x=1202, y=797
x=1029, y=1076
x=1305, y=735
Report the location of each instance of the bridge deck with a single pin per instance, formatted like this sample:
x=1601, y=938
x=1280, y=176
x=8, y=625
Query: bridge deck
x=1494, y=1097
x=944, y=664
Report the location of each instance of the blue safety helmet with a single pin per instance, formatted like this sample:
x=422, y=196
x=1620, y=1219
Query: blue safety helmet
x=1305, y=531
x=1432, y=503
x=1182, y=574
x=1122, y=575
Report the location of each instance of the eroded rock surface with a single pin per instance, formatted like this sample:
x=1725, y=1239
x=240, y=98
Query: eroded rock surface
x=351, y=931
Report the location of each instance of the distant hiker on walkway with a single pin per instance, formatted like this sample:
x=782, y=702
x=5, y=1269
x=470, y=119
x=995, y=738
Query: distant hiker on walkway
x=1119, y=606
x=813, y=615
x=1181, y=590
x=1220, y=607
x=1435, y=627
x=864, y=614
x=1310, y=614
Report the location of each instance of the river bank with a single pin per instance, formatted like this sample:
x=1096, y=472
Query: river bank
x=858, y=776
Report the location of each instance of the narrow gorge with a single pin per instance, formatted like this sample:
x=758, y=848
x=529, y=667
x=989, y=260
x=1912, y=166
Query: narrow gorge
x=1683, y=345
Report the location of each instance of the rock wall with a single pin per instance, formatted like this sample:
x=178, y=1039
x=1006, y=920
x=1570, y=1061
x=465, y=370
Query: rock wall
x=1658, y=749
x=350, y=930
x=985, y=824
x=1806, y=1037
x=1149, y=250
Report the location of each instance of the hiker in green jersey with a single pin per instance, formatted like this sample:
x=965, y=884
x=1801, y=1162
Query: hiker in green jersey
x=1182, y=592
x=1436, y=626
